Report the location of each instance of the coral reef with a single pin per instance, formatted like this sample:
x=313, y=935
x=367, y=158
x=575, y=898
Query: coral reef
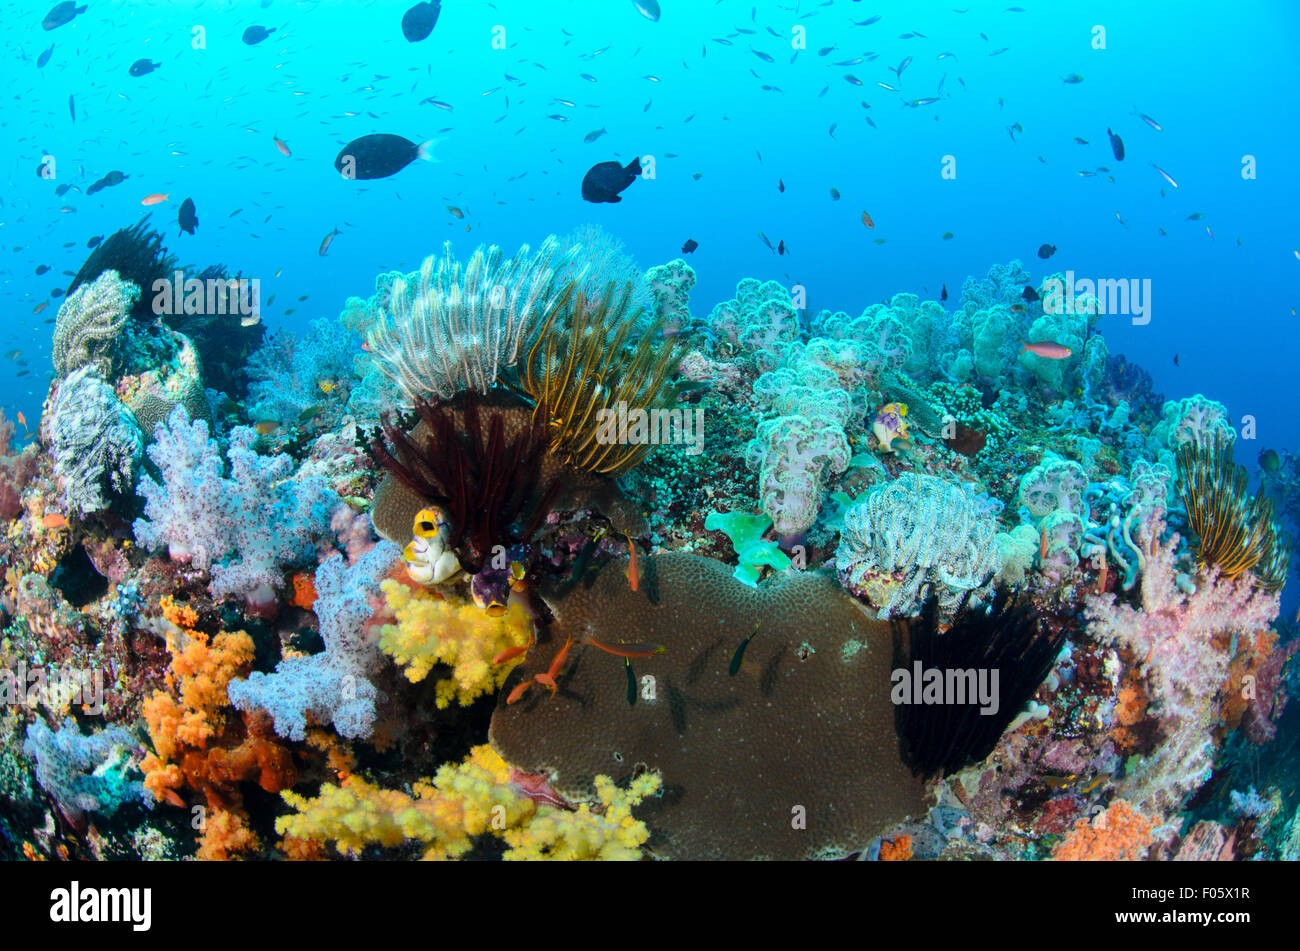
x=95, y=442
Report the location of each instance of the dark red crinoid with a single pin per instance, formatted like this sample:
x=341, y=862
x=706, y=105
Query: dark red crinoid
x=486, y=486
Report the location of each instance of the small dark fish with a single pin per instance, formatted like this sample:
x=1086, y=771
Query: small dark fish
x=605, y=180
x=835, y=193
x=1176, y=363
x=42, y=268
x=1045, y=251
x=62, y=190
x=943, y=292
x=1072, y=79
x=762, y=237
x=324, y=245
x=143, y=67
x=188, y=219
x=57, y=292
x=631, y=682
x=94, y=242
x=690, y=245
x=378, y=155
x=419, y=21
x=593, y=136
x=739, y=655
x=255, y=34
x=62, y=13
x=648, y=9
x=44, y=57
x=1029, y=294
x=112, y=178
x=1116, y=145
x=1270, y=461
x=780, y=246
x=780, y=185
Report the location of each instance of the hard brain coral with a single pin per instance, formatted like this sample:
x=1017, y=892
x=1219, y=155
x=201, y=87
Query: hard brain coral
x=734, y=751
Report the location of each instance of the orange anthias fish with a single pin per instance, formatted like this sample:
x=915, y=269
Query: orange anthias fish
x=1048, y=350
x=633, y=575
x=54, y=520
x=282, y=146
x=22, y=419
x=154, y=199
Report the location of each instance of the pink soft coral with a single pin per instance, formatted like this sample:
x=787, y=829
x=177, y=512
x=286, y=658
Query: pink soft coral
x=1172, y=640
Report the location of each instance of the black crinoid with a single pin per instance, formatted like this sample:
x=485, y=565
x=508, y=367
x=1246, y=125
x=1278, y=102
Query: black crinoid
x=137, y=255
x=489, y=485
x=1005, y=635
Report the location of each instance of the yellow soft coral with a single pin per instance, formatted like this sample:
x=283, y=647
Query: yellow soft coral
x=467, y=800
x=582, y=834
x=431, y=630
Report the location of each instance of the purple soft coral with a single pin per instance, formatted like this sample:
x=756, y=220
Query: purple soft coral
x=245, y=529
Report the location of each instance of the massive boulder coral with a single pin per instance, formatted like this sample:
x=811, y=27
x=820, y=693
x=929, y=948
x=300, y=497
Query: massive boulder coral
x=795, y=756
x=95, y=441
x=915, y=536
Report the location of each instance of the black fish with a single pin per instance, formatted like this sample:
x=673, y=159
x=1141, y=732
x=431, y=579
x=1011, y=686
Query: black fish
x=604, y=181
x=631, y=683
x=378, y=155
x=1176, y=363
x=72, y=108
x=94, y=242
x=1045, y=251
x=42, y=268
x=419, y=21
x=734, y=667
x=255, y=34
x=1029, y=294
x=142, y=67
x=57, y=292
x=780, y=246
x=45, y=57
x=690, y=245
x=943, y=292
x=780, y=185
x=62, y=190
x=61, y=14
x=1116, y=145
x=188, y=219
x=112, y=178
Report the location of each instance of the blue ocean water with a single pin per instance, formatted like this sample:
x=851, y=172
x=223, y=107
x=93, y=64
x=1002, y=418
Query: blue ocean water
x=743, y=95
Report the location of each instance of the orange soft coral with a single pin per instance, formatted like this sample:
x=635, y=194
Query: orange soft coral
x=896, y=850
x=1121, y=833
x=199, y=746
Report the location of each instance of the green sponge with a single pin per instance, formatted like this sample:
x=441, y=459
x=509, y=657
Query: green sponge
x=746, y=534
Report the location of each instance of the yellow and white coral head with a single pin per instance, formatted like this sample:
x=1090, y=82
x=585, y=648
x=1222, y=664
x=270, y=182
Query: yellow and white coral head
x=428, y=558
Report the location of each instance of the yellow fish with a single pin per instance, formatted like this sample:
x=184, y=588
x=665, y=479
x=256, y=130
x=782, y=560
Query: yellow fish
x=326, y=387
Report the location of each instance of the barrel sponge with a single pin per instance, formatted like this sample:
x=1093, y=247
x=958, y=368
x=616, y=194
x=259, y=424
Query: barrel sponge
x=805, y=727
